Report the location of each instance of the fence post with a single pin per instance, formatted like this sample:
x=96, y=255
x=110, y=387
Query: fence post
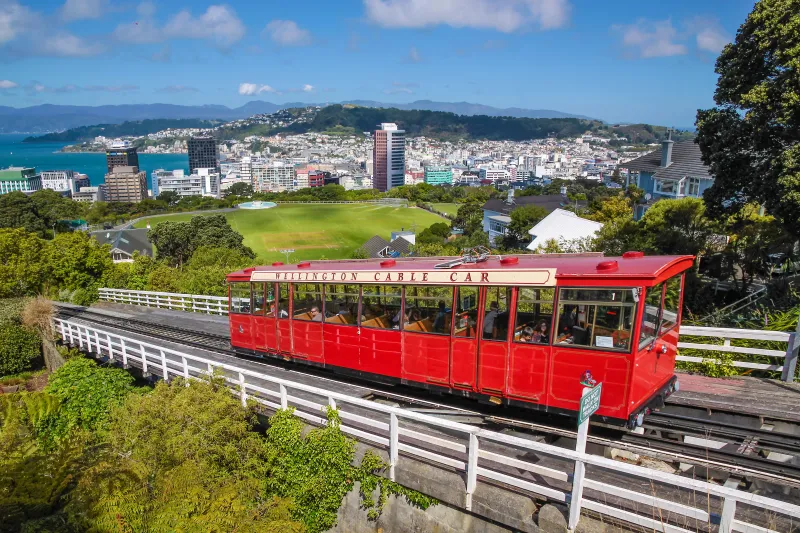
x=244, y=391
x=97, y=343
x=164, y=365
x=332, y=403
x=472, y=469
x=284, y=397
x=393, y=441
x=790, y=364
x=110, y=347
x=728, y=512
x=144, y=359
x=185, y=370
x=124, y=353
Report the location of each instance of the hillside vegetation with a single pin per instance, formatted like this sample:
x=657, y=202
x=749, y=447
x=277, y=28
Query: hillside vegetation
x=133, y=128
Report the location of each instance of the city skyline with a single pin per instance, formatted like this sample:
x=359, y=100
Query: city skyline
x=612, y=62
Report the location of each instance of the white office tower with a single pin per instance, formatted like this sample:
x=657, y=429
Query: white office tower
x=210, y=181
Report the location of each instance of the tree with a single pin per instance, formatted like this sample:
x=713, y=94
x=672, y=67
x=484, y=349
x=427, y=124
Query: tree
x=612, y=208
x=77, y=262
x=522, y=219
x=245, y=190
x=677, y=227
x=469, y=218
x=21, y=346
x=17, y=210
x=23, y=269
x=170, y=198
x=751, y=139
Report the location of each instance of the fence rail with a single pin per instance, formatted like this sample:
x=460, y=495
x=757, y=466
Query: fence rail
x=195, y=303
x=482, y=455
x=788, y=355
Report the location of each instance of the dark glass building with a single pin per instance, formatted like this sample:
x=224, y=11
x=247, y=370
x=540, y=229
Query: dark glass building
x=122, y=157
x=202, y=153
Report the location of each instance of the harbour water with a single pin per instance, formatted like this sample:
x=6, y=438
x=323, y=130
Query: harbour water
x=46, y=156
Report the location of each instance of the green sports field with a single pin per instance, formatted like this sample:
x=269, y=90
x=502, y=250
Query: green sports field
x=315, y=231
x=450, y=209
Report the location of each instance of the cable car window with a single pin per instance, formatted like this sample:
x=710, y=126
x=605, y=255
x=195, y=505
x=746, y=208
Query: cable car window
x=495, y=313
x=672, y=302
x=466, y=312
x=258, y=298
x=307, y=302
x=270, y=303
x=239, y=299
x=429, y=309
x=379, y=305
x=341, y=304
x=283, y=300
x=651, y=315
x=596, y=318
x=534, y=315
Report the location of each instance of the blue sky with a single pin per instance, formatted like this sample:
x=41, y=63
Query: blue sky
x=618, y=60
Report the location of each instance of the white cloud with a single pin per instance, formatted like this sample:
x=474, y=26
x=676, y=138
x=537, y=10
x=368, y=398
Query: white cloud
x=219, y=23
x=710, y=36
x=64, y=44
x=407, y=85
x=287, y=33
x=142, y=31
x=413, y=55
x=178, y=89
x=83, y=9
x=15, y=19
x=253, y=88
x=36, y=87
x=398, y=90
x=8, y=84
x=308, y=88
x=647, y=38
x=146, y=9
x=502, y=15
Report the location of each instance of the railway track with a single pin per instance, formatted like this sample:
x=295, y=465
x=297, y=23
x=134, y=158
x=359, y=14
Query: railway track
x=744, y=455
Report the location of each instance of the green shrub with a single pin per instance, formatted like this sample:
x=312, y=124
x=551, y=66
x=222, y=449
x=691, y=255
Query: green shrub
x=88, y=393
x=20, y=347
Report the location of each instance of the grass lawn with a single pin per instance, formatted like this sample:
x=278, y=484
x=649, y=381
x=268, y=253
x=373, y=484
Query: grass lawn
x=315, y=231
x=450, y=209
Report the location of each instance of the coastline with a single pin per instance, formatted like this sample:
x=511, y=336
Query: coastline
x=103, y=151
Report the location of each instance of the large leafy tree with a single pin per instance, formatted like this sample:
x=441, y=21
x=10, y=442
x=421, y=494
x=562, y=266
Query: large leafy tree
x=522, y=219
x=23, y=268
x=751, y=139
x=177, y=241
x=17, y=210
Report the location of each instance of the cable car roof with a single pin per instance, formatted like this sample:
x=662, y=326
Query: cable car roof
x=530, y=269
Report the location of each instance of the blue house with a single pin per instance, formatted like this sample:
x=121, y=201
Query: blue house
x=675, y=170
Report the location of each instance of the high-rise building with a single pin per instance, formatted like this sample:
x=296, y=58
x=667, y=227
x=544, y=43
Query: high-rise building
x=64, y=180
x=122, y=156
x=202, y=153
x=273, y=177
x=19, y=179
x=389, y=157
x=126, y=184
x=435, y=175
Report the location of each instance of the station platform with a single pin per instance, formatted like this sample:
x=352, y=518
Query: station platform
x=741, y=396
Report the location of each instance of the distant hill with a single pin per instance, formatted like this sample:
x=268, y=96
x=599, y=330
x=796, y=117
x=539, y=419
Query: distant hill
x=648, y=134
x=440, y=125
x=136, y=128
x=49, y=118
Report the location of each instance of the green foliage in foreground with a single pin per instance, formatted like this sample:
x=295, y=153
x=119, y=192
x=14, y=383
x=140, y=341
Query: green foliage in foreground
x=183, y=457
x=20, y=347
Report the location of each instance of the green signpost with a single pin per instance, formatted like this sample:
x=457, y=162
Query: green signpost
x=590, y=402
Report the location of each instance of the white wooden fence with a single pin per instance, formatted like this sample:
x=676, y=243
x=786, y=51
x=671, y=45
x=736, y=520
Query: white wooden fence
x=483, y=455
x=196, y=303
x=789, y=355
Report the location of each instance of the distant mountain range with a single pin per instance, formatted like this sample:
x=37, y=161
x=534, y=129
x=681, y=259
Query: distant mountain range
x=49, y=117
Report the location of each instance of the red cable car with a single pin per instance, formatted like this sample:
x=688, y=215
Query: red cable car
x=520, y=331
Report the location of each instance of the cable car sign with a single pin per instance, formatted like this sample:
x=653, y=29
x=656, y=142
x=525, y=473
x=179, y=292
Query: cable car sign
x=539, y=277
x=590, y=403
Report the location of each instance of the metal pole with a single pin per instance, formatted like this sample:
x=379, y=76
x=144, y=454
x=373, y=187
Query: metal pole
x=580, y=471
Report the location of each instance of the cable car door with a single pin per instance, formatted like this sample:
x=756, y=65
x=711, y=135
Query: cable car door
x=464, y=345
x=493, y=343
x=284, y=328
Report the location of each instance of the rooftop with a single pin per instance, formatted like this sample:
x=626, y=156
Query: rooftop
x=549, y=202
x=686, y=162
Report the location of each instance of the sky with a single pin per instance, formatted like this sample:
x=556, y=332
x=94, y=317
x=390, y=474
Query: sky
x=617, y=60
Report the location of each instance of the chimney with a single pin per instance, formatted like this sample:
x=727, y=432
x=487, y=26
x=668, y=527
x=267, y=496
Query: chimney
x=666, y=150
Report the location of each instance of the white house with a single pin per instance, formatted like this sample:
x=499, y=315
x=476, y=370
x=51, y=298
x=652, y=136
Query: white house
x=562, y=225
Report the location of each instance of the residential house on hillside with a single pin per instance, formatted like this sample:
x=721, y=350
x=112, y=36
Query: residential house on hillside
x=561, y=225
x=400, y=245
x=124, y=243
x=497, y=211
x=675, y=170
